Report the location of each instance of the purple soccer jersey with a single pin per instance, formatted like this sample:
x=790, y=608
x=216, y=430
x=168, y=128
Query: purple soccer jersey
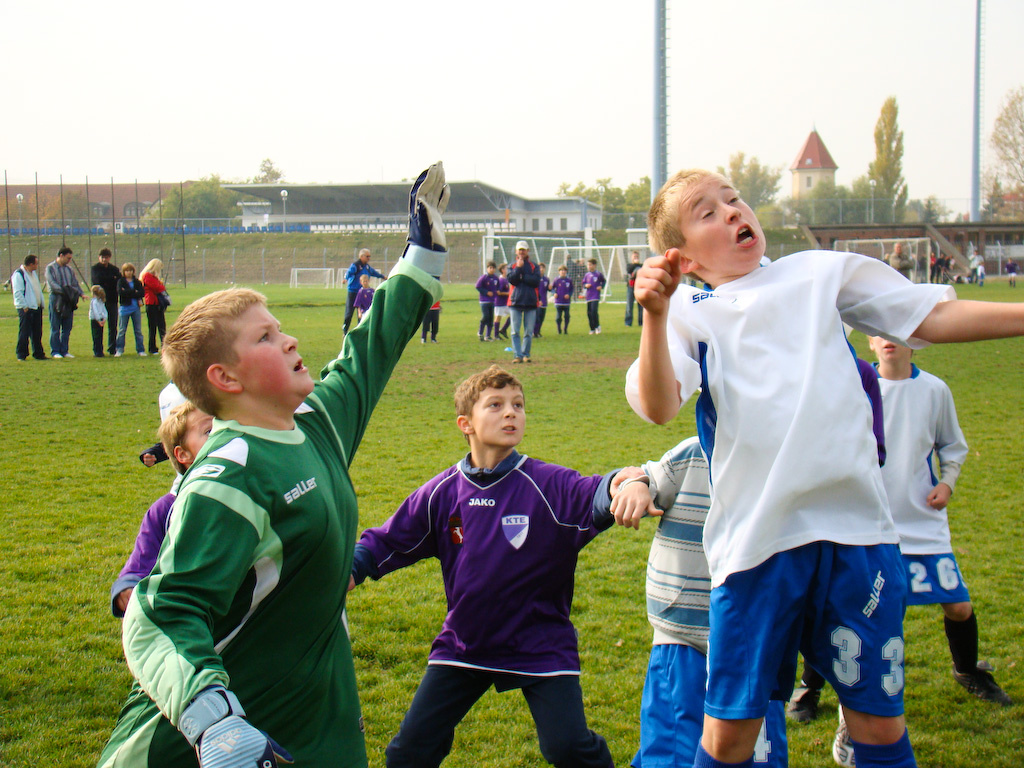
x=503, y=288
x=593, y=282
x=363, y=299
x=140, y=562
x=563, y=290
x=542, y=291
x=508, y=555
x=487, y=284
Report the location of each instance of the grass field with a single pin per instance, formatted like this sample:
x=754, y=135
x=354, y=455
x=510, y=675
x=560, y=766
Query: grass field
x=73, y=492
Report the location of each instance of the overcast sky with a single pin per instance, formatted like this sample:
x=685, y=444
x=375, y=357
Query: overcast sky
x=521, y=95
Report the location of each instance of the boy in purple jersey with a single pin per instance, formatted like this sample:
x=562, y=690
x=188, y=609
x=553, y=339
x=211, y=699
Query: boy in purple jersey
x=487, y=287
x=542, y=299
x=562, y=288
x=507, y=530
x=593, y=282
x=364, y=298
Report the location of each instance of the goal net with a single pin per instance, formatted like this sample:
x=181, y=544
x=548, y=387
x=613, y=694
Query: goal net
x=611, y=262
x=501, y=249
x=914, y=260
x=303, y=277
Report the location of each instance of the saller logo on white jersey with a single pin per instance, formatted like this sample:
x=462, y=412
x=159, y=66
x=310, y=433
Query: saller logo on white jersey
x=481, y=502
x=304, y=487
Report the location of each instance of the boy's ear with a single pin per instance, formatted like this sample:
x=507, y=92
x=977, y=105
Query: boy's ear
x=686, y=266
x=184, y=456
x=221, y=377
x=465, y=425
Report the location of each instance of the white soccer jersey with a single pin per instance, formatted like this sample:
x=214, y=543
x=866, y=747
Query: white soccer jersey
x=920, y=420
x=782, y=416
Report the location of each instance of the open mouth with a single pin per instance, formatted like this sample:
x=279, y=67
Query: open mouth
x=298, y=366
x=745, y=236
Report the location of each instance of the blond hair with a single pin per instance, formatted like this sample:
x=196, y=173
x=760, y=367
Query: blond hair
x=663, y=218
x=468, y=392
x=172, y=431
x=203, y=335
x=154, y=267
x=99, y=293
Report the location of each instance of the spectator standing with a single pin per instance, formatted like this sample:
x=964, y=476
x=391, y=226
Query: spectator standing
x=64, y=295
x=593, y=282
x=129, y=293
x=28, y=301
x=358, y=268
x=631, y=270
x=487, y=287
x=154, y=299
x=542, y=299
x=431, y=320
x=524, y=277
x=105, y=275
x=97, y=319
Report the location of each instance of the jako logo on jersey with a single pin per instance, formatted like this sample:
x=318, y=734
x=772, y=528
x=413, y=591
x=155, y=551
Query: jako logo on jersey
x=876, y=594
x=481, y=502
x=515, y=528
x=304, y=487
x=207, y=470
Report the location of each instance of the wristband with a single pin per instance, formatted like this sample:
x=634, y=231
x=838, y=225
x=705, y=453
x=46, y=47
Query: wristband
x=209, y=707
x=642, y=479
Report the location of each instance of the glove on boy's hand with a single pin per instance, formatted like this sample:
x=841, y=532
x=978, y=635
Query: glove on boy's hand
x=427, y=201
x=213, y=724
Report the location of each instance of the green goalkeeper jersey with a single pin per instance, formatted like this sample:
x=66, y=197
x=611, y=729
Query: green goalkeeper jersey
x=250, y=585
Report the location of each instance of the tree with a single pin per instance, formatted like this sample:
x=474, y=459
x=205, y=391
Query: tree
x=886, y=170
x=638, y=195
x=203, y=199
x=269, y=173
x=757, y=184
x=1008, y=137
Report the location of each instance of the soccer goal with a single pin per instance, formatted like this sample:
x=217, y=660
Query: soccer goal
x=611, y=262
x=916, y=257
x=311, y=277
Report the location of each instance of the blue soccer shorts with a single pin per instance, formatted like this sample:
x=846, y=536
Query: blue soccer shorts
x=841, y=606
x=934, y=579
x=672, y=713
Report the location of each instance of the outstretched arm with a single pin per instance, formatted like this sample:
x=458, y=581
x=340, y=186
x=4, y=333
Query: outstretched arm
x=656, y=281
x=953, y=321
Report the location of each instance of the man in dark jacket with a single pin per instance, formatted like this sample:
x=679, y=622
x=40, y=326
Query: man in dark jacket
x=105, y=275
x=524, y=277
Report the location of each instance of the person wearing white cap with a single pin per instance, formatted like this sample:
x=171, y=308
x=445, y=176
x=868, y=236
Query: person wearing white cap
x=524, y=276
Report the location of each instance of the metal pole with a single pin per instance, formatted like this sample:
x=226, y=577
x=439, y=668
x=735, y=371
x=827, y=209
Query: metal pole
x=10, y=253
x=659, y=171
x=63, y=241
x=160, y=211
x=976, y=140
x=88, y=217
x=39, y=248
x=113, y=220
x=138, y=224
x=181, y=213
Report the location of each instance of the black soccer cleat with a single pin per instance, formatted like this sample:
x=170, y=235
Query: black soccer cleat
x=803, y=706
x=980, y=683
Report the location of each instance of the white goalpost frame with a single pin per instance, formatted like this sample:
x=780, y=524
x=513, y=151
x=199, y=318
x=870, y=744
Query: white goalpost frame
x=312, y=277
x=918, y=248
x=611, y=261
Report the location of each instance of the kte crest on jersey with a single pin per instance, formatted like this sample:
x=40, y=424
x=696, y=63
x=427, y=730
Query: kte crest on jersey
x=515, y=528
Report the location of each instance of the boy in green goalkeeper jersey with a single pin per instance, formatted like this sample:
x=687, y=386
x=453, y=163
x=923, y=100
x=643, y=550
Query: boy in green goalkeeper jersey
x=238, y=640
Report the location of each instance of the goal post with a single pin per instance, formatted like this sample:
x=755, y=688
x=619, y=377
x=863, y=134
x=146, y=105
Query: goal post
x=311, y=277
x=916, y=253
x=611, y=262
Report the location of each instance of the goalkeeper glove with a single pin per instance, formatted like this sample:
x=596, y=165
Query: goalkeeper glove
x=213, y=724
x=427, y=201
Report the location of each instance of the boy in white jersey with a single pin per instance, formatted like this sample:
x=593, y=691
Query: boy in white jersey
x=249, y=588
x=800, y=543
x=920, y=420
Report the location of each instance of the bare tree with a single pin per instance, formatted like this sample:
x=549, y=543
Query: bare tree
x=1008, y=137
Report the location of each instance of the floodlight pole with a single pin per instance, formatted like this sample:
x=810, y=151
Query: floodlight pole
x=284, y=211
x=659, y=171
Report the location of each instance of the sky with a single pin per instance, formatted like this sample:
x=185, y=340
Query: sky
x=523, y=96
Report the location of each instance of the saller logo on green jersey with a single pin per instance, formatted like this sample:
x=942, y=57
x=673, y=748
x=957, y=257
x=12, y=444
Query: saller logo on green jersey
x=304, y=486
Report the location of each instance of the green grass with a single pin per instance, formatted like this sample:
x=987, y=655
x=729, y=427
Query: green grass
x=73, y=492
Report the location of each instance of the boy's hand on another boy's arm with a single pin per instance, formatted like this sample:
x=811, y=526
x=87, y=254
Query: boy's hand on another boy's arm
x=939, y=497
x=631, y=497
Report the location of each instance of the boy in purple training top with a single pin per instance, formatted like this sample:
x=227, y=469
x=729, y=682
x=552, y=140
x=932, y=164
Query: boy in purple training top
x=593, y=282
x=487, y=287
x=182, y=433
x=364, y=298
x=562, y=288
x=507, y=530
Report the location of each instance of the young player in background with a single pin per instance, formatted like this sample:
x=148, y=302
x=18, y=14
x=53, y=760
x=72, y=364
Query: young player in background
x=593, y=282
x=501, y=308
x=97, y=319
x=563, y=290
x=250, y=586
x=364, y=297
x=487, y=288
x=766, y=348
x=507, y=530
x=542, y=298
